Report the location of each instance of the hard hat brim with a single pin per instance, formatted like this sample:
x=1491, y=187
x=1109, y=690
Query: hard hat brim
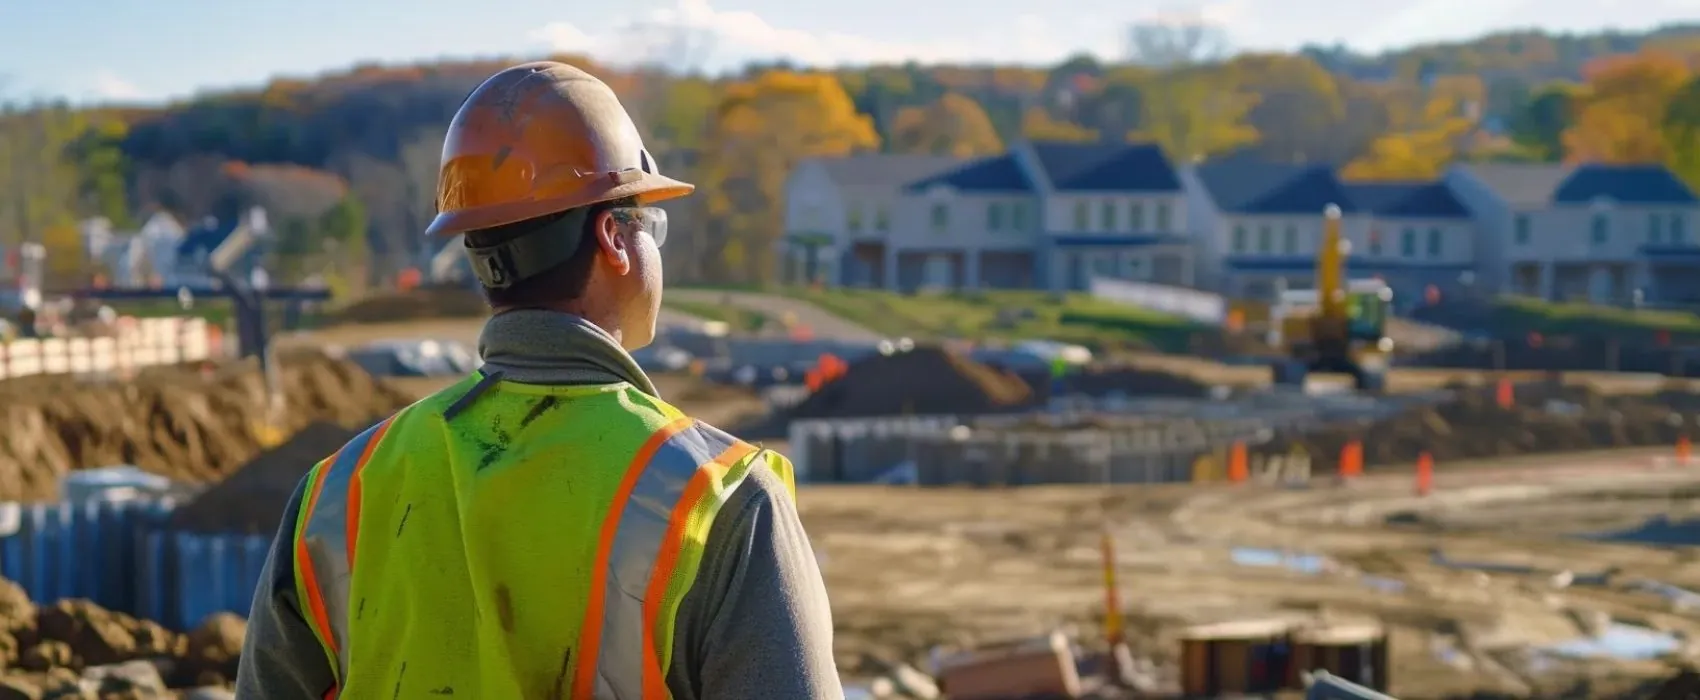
x=649, y=189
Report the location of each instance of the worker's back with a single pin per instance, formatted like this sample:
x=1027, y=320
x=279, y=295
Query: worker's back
x=480, y=536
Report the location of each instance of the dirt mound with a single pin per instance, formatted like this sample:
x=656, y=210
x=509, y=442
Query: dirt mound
x=1474, y=426
x=920, y=382
x=412, y=306
x=252, y=499
x=178, y=424
x=75, y=645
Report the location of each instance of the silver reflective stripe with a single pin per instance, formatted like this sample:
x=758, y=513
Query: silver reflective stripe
x=326, y=536
x=637, y=542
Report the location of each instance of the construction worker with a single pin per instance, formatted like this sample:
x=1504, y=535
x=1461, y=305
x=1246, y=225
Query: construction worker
x=548, y=527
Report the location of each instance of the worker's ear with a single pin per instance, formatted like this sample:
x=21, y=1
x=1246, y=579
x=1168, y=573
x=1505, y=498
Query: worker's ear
x=615, y=249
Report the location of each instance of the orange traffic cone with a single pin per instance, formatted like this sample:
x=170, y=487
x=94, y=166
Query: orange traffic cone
x=1684, y=449
x=1238, y=469
x=1425, y=474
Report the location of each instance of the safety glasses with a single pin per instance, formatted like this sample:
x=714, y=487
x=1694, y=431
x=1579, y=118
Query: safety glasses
x=651, y=219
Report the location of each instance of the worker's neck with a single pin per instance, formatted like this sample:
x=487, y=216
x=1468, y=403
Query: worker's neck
x=608, y=322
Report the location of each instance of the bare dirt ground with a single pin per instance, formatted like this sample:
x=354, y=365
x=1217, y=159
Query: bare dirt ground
x=1404, y=379
x=908, y=569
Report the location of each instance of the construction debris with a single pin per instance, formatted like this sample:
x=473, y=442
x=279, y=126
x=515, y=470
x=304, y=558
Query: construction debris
x=177, y=423
x=74, y=648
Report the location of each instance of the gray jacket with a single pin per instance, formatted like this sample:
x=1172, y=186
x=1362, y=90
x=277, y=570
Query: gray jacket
x=755, y=625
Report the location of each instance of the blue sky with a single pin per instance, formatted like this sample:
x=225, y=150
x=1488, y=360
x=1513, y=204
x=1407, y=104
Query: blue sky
x=150, y=50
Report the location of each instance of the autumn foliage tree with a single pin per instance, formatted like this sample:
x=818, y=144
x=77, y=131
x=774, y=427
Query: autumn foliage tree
x=954, y=125
x=1428, y=125
x=762, y=128
x=1620, y=112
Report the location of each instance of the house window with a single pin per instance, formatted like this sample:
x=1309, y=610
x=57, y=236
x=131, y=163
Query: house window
x=1677, y=233
x=1522, y=229
x=1290, y=239
x=1080, y=215
x=1242, y=241
x=1162, y=217
x=1265, y=239
x=1601, y=229
x=1136, y=216
x=1104, y=265
x=1018, y=216
x=1434, y=243
x=994, y=216
x=1408, y=243
x=1655, y=228
x=941, y=217
x=853, y=221
x=1108, y=213
x=882, y=220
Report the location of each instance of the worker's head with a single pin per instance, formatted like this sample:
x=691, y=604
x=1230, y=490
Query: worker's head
x=547, y=176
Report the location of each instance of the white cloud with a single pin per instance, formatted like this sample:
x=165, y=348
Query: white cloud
x=692, y=34
x=109, y=86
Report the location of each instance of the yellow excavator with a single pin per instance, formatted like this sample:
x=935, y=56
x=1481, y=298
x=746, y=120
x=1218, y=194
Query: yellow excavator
x=1337, y=328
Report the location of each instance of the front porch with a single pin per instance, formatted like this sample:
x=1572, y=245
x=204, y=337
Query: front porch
x=1072, y=267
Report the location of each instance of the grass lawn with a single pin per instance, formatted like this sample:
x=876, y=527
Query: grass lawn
x=1519, y=316
x=1011, y=315
x=738, y=319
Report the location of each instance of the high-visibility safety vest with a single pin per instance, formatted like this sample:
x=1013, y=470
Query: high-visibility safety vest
x=534, y=545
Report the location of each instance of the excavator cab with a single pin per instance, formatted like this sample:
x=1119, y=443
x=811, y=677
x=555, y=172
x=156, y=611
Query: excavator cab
x=1366, y=314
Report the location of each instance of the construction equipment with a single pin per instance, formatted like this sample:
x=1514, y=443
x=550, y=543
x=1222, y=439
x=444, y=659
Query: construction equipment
x=1339, y=327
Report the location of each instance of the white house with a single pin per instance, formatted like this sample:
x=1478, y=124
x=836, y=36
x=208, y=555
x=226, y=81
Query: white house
x=1045, y=215
x=1587, y=232
x=840, y=214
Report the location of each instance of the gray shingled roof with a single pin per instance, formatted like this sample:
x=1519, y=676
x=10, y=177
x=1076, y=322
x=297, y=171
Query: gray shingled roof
x=1001, y=174
x=1422, y=199
x=1249, y=185
x=1542, y=184
x=888, y=169
x=1106, y=167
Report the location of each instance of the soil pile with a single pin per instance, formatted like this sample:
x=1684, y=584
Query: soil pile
x=75, y=646
x=179, y=424
x=1474, y=426
x=923, y=381
x=442, y=302
x=253, y=498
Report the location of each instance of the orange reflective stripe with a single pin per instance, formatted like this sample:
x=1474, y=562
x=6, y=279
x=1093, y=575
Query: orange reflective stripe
x=309, y=580
x=354, y=488
x=590, y=633
x=667, y=561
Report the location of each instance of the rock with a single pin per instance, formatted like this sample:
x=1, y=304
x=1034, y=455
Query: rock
x=15, y=605
x=46, y=656
x=96, y=635
x=216, y=644
x=20, y=687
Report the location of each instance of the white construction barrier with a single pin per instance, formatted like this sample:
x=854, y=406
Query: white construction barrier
x=138, y=343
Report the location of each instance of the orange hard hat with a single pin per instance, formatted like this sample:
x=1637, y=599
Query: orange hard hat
x=537, y=139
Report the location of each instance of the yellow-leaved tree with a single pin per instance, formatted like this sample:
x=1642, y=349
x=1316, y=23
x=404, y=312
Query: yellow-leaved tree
x=953, y=125
x=1620, y=111
x=762, y=128
x=1427, y=125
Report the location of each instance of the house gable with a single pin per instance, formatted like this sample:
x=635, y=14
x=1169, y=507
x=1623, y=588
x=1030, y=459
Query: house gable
x=1105, y=167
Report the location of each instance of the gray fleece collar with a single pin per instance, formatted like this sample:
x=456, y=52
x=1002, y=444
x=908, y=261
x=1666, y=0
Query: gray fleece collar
x=534, y=346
